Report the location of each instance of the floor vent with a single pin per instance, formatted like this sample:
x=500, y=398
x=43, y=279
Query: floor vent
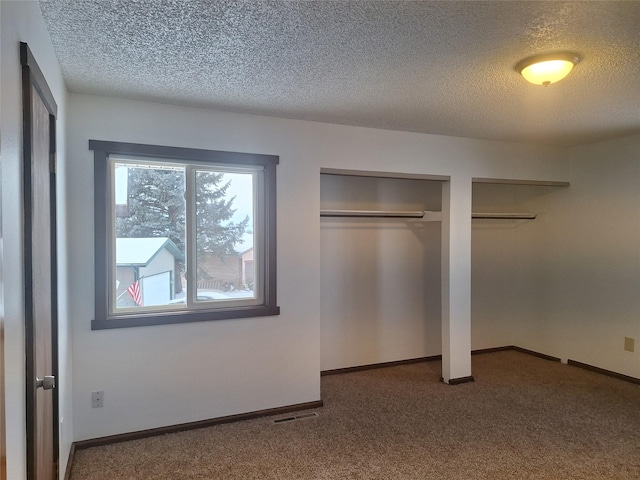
x=304, y=416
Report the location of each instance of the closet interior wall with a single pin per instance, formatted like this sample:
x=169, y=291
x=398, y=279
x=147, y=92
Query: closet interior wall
x=380, y=277
x=511, y=267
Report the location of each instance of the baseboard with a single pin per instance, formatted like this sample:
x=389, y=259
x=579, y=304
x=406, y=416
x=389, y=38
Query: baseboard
x=72, y=454
x=536, y=354
x=517, y=349
x=492, y=350
x=153, y=432
x=372, y=366
x=603, y=371
x=459, y=381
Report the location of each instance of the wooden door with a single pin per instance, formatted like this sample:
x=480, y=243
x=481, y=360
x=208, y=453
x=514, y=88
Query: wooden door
x=39, y=149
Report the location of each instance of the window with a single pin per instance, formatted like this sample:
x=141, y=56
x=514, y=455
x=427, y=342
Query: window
x=182, y=235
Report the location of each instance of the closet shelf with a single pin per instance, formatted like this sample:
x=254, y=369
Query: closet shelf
x=426, y=215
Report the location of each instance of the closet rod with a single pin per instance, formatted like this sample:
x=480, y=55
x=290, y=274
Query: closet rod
x=372, y=213
x=505, y=216
x=420, y=214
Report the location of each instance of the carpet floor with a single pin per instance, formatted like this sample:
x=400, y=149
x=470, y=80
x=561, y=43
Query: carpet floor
x=523, y=418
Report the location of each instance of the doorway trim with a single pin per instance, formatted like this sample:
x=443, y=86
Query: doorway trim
x=32, y=78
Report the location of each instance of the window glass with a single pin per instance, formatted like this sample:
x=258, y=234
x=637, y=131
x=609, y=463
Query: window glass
x=150, y=237
x=224, y=235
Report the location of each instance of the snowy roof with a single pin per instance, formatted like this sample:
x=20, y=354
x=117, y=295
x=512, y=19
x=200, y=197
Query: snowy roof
x=140, y=251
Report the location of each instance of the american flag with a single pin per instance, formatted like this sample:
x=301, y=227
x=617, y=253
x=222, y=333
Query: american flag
x=134, y=291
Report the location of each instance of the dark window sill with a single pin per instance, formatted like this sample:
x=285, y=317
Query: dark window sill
x=129, y=321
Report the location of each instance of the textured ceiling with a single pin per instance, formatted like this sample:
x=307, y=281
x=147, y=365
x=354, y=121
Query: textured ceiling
x=442, y=67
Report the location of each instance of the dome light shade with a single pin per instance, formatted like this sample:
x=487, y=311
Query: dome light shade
x=547, y=69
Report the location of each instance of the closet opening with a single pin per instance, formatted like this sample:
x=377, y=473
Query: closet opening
x=511, y=261
x=380, y=269
x=381, y=266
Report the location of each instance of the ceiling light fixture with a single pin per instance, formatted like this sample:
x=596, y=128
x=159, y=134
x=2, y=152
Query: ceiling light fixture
x=548, y=68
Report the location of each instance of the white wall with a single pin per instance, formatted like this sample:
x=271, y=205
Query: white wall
x=153, y=376
x=589, y=288
x=164, y=375
x=22, y=21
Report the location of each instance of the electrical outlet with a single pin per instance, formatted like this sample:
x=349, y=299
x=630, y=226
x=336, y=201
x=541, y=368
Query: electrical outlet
x=630, y=344
x=97, y=399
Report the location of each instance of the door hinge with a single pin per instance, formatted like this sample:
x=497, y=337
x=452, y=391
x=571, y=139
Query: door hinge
x=53, y=163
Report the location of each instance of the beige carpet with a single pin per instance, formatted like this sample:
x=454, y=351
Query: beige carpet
x=523, y=418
